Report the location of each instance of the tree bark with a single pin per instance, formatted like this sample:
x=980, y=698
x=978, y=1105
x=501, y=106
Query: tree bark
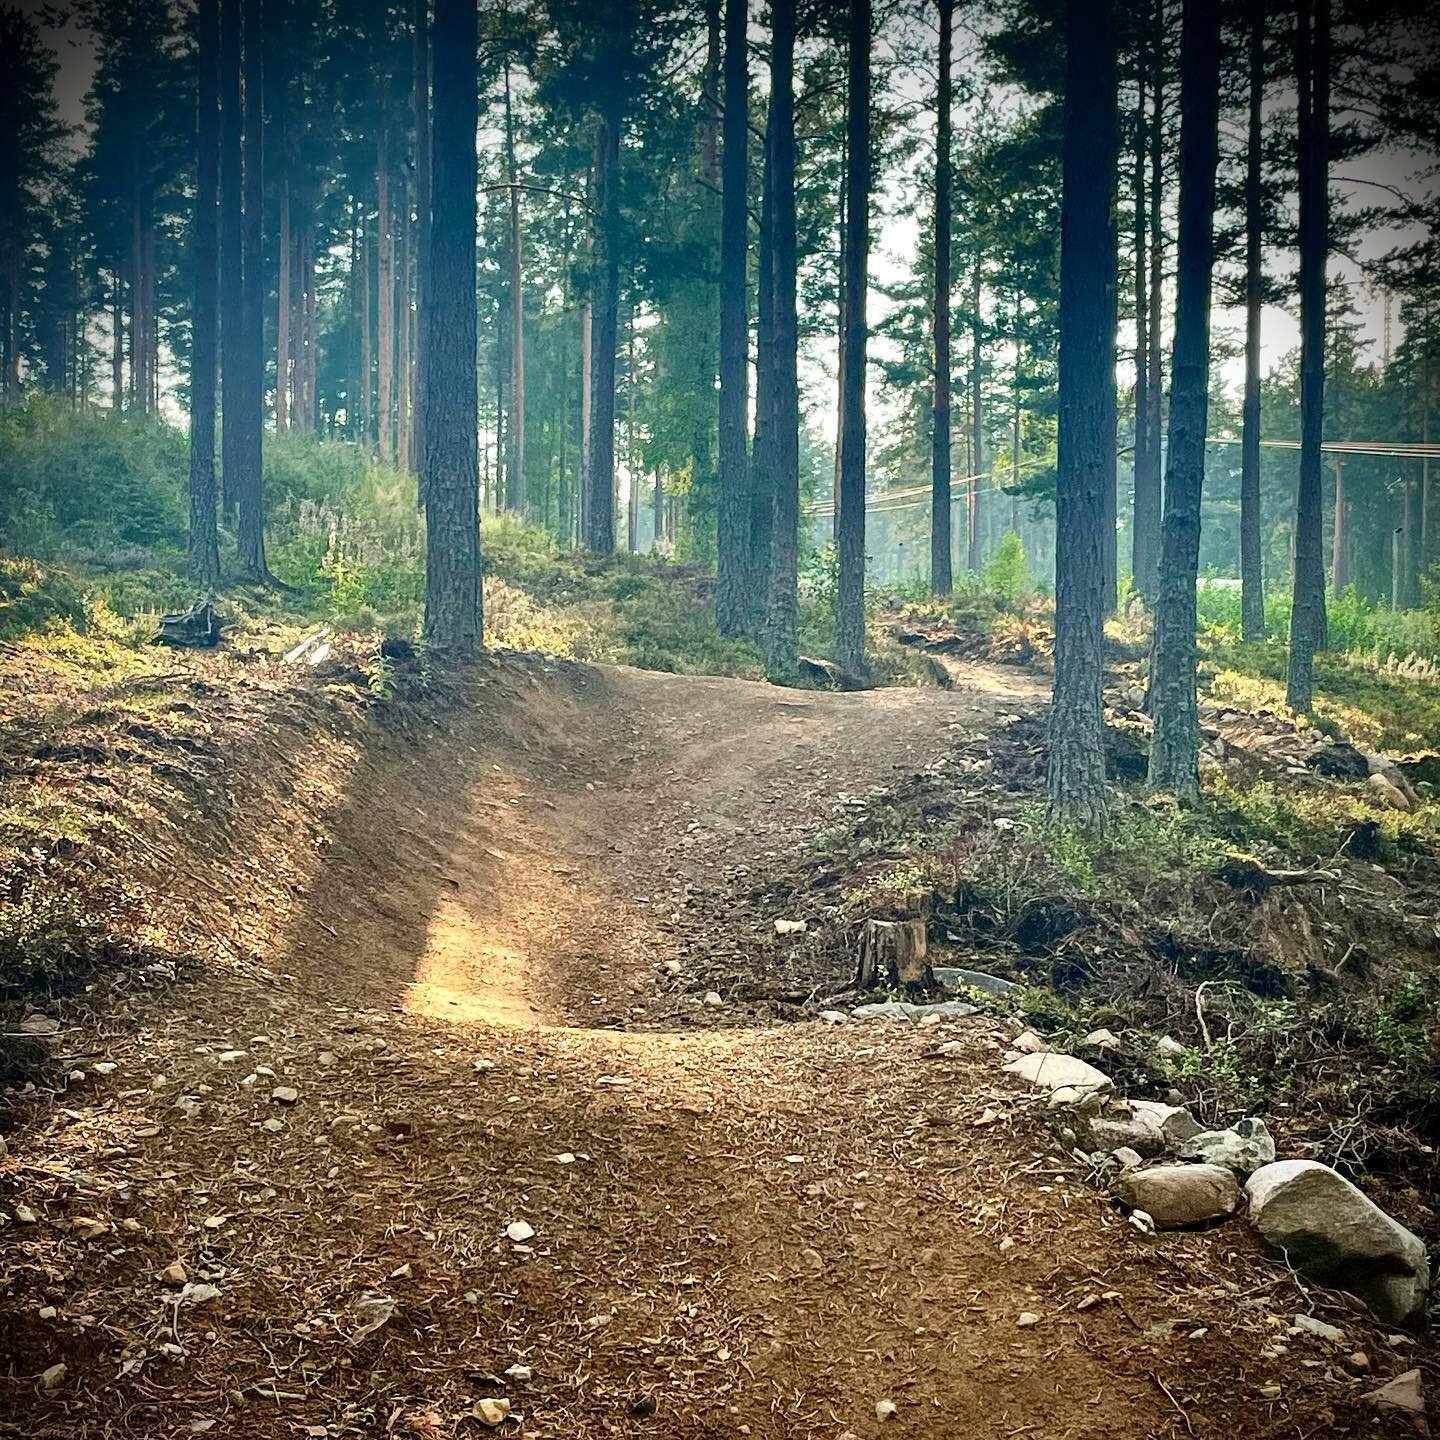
x=762, y=461
x=204, y=546
x=733, y=534
x=232, y=216
x=421, y=99
x=1307, y=611
x=975, y=555
x=1175, y=745
x=781, y=618
x=1076, y=775
x=850, y=510
x=283, y=310
x=1144, y=537
x=1148, y=519
x=515, y=467
x=1340, y=539
x=453, y=613
x=250, y=537
x=385, y=298
x=587, y=356
x=367, y=428
x=941, y=578
x=600, y=529
x=402, y=344
x=1252, y=580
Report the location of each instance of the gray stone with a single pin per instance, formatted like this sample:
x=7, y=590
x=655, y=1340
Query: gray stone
x=1027, y=1042
x=1243, y=1148
x=953, y=977
x=1103, y=1039
x=1322, y=1225
x=1126, y=1158
x=1049, y=1070
x=1179, y=1196
x=1175, y=1122
x=1309, y=1325
x=1110, y=1132
x=904, y=1010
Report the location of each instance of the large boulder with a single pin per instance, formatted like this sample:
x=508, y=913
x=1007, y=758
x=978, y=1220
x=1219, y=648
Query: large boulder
x=1243, y=1148
x=1313, y=1218
x=1177, y=1197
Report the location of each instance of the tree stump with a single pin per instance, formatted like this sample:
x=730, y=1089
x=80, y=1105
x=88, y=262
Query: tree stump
x=892, y=956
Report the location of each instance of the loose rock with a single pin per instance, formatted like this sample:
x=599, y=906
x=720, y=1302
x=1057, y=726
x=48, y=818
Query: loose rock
x=1243, y=1148
x=1179, y=1196
x=1318, y=1222
x=1050, y=1070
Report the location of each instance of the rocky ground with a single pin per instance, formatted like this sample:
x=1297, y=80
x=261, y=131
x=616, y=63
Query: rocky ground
x=463, y=1080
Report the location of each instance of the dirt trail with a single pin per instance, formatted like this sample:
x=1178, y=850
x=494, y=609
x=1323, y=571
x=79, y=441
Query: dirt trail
x=740, y=1227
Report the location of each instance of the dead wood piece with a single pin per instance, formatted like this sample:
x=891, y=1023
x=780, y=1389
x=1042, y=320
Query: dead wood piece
x=197, y=628
x=892, y=955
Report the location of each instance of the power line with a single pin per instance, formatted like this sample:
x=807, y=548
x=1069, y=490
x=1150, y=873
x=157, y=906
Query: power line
x=895, y=500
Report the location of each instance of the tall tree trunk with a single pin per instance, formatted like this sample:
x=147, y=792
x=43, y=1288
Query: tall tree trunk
x=250, y=538
x=283, y=310
x=1147, y=581
x=204, y=546
x=139, y=387
x=941, y=578
x=632, y=502
x=421, y=98
x=1145, y=511
x=600, y=529
x=453, y=614
x=1427, y=507
x=515, y=469
x=402, y=348
x=975, y=558
x=310, y=390
x=1076, y=778
x=1175, y=746
x=385, y=297
x=1340, y=540
x=733, y=536
x=367, y=425
x=587, y=391
x=850, y=594
x=117, y=343
x=1252, y=580
x=1307, y=611
x=232, y=215
x=1409, y=547
x=762, y=460
x=842, y=213
x=781, y=612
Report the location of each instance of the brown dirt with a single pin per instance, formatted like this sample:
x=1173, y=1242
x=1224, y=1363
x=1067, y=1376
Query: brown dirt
x=447, y=921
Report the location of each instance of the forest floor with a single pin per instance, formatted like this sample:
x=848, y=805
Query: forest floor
x=409, y=975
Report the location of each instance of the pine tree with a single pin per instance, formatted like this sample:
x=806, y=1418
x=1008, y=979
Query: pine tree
x=1076, y=778
x=1175, y=747
x=940, y=540
x=781, y=619
x=850, y=506
x=204, y=541
x=1307, y=613
x=1252, y=580
x=453, y=614
x=732, y=601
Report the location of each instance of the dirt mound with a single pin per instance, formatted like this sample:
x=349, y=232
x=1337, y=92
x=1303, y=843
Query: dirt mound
x=429, y=1123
